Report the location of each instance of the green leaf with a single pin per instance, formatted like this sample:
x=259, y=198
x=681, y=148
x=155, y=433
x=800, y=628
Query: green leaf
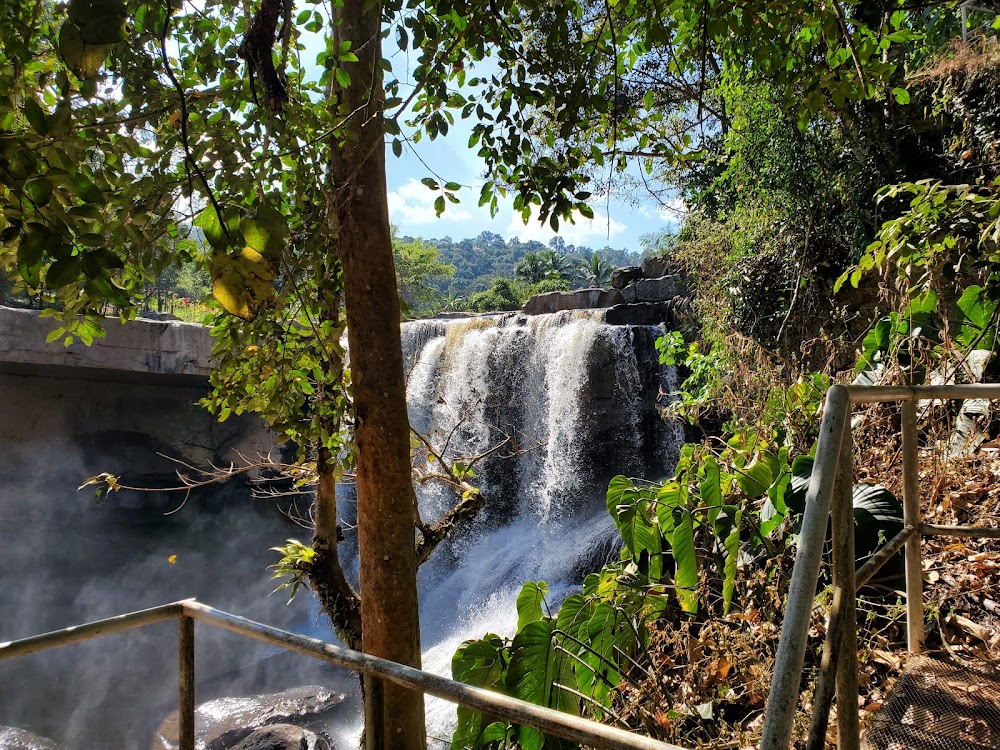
x=710, y=487
x=32, y=247
x=530, y=603
x=755, y=477
x=878, y=516
x=439, y=205
x=63, y=272
x=795, y=492
x=625, y=503
x=36, y=116
x=977, y=313
x=535, y=668
x=730, y=567
x=343, y=79
x=686, y=559
x=481, y=663
x=397, y=147
x=902, y=95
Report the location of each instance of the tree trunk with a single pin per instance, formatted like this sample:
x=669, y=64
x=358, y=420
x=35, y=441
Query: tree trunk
x=334, y=591
x=359, y=220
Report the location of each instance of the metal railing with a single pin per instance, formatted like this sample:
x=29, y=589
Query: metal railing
x=547, y=720
x=830, y=499
x=969, y=6
x=829, y=495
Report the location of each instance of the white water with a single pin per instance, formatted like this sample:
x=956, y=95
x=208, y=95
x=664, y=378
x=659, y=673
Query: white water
x=577, y=398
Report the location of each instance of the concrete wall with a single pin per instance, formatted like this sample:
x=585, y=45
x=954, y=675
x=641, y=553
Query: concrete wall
x=139, y=351
x=66, y=414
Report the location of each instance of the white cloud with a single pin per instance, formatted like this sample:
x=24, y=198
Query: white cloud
x=673, y=211
x=597, y=231
x=413, y=203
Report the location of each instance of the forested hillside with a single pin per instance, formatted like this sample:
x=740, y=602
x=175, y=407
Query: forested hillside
x=480, y=260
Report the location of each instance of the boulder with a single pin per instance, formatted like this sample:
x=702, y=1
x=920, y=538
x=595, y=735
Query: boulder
x=579, y=299
x=12, y=738
x=640, y=314
x=656, y=266
x=224, y=722
x=284, y=737
x=659, y=289
x=621, y=277
x=628, y=294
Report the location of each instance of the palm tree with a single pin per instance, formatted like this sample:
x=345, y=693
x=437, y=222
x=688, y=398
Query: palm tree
x=596, y=271
x=558, y=266
x=531, y=269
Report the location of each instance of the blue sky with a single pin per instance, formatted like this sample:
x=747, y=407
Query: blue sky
x=616, y=222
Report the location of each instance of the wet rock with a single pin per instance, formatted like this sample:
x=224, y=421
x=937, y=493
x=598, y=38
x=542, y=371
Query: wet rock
x=284, y=737
x=659, y=289
x=224, y=722
x=12, y=738
x=640, y=314
x=580, y=299
x=622, y=277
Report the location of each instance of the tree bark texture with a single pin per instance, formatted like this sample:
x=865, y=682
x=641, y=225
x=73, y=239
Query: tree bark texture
x=359, y=219
x=336, y=596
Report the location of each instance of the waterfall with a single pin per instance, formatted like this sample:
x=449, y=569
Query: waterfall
x=553, y=406
x=562, y=403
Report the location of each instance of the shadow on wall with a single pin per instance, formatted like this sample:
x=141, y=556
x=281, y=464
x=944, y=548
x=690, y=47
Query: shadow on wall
x=67, y=559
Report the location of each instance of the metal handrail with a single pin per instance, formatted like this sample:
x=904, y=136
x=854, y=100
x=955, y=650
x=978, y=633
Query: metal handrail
x=547, y=720
x=829, y=496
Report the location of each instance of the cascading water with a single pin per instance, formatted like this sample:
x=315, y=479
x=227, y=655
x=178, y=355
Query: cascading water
x=557, y=403
x=561, y=403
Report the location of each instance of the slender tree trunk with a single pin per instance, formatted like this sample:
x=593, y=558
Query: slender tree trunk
x=336, y=596
x=359, y=219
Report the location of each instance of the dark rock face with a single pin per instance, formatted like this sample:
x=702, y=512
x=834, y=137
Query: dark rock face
x=659, y=289
x=640, y=314
x=655, y=266
x=580, y=299
x=624, y=276
x=12, y=738
x=284, y=737
x=222, y=723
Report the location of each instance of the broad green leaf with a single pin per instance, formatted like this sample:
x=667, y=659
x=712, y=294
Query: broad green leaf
x=795, y=492
x=730, y=567
x=242, y=283
x=710, y=487
x=39, y=191
x=36, y=116
x=626, y=505
x=755, y=477
x=480, y=663
x=535, y=668
x=977, y=316
x=686, y=560
x=878, y=516
x=531, y=603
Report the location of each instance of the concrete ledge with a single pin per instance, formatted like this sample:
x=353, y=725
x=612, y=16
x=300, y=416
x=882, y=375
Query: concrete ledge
x=133, y=352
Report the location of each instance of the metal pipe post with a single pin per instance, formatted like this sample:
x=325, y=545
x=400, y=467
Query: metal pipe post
x=845, y=609
x=784, y=696
x=185, y=713
x=911, y=517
